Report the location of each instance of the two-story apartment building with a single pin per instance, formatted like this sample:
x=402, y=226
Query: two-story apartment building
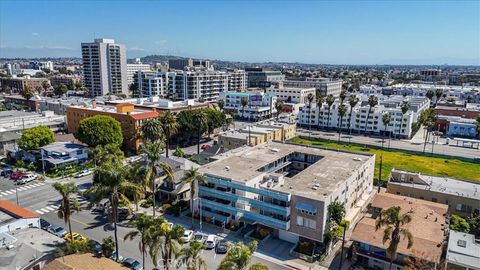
x=284, y=188
x=61, y=153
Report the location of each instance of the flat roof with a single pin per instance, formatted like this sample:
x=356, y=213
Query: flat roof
x=333, y=168
x=463, y=249
x=427, y=226
x=15, y=210
x=461, y=188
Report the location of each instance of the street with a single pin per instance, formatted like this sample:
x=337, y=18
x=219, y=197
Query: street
x=40, y=197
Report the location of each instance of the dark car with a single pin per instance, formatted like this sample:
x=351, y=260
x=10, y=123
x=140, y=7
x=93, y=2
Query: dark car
x=132, y=264
x=44, y=224
x=122, y=213
x=16, y=175
x=221, y=247
x=96, y=247
x=6, y=172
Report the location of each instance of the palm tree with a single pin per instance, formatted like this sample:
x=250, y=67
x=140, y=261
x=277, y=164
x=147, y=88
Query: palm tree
x=343, y=96
x=405, y=106
x=107, y=153
x=169, y=127
x=372, y=102
x=427, y=119
x=112, y=184
x=278, y=107
x=142, y=225
x=201, y=121
x=239, y=256
x=165, y=240
x=342, y=109
x=27, y=92
x=430, y=93
x=310, y=98
x=438, y=95
x=154, y=168
x=221, y=104
x=108, y=245
x=386, y=120
x=137, y=174
x=243, y=103
x=192, y=177
x=320, y=100
x=69, y=204
x=45, y=85
x=191, y=256
x=394, y=220
x=352, y=101
x=330, y=100
x=151, y=130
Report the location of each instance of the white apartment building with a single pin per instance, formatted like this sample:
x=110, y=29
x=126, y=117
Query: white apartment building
x=292, y=94
x=260, y=105
x=237, y=80
x=104, y=67
x=41, y=65
x=152, y=83
x=134, y=68
x=324, y=86
x=399, y=125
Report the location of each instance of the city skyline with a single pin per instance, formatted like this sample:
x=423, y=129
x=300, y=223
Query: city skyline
x=345, y=32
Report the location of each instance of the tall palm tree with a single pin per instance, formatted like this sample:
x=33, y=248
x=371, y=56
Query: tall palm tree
x=393, y=221
x=243, y=103
x=430, y=93
x=320, y=99
x=69, y=203
x=405, y=107
x=142, y=225
x=310, y=98
x=111, y=184
x=154, y=168
x=201, y=122
x=191, y=256
x=343, y=96
x=151, y=130
x=192, y=177
x=330, y=100
x=438, y=95
x=278, y=107
x=107, y=153
x=372, y=102
x=342, y=109
x=427, y=119
x=239, y=257
x=352, y=101
x=386, y=118
x=165, y=240
x=136, y=174
x=169, y=127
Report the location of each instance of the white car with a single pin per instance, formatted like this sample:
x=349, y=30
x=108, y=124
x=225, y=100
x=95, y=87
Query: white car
x=83, y=173
x=187, y=236
x=26, y=179
x=211, y=241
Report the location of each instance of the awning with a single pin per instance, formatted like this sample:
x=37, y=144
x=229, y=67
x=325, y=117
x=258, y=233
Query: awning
x=306, y=207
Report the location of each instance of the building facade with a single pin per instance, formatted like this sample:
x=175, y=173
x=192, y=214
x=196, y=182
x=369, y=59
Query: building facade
x=283, y=188
x=132, y=69
x=16, y=85
x=260, y=105
x=104, y=67
x=69, y=80
x=257, y=77
x=291, y=94
x=323, y=86
x=463, y=251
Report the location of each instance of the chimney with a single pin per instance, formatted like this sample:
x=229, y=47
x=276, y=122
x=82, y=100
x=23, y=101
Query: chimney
x=94, y=104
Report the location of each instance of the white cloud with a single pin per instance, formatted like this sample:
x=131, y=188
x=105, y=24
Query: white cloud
x=35, y=34
x=136, y=49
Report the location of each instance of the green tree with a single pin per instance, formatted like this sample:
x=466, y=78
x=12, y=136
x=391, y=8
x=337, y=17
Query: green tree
x=320, y=99
x=352, y=101
x=474, y=223
x=336, y=211
x=330, y=99
x=192, y=177
x=427, y=118
x=239, y=257
x=200, y=121
x=99, y=130
x=165, y=240
x=152, y=130
x=393, y=221
x=343, y=96
x=243, y=103
x=372, y=102
x=142, y=224
x=108, y=246
x=430, y=93
x=169, y=127
x=45, y=85
x=342, y=110
x=191, y=256
x=69, y=204
x=136, y=174
x=438, y=95
x=478, y=126
x=155, y=168
x=36, y=137
x=27, y=92
x=310, y=98
x=78, y=85
x=60, y=90
x=405, y=107
x=134, y=90
x=279, y=107
x=109, y=153
x=221, y=104
x=386, y=118
x=459, y=224
x=179, y=152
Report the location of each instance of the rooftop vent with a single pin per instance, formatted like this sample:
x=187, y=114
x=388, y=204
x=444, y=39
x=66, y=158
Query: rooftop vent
x=275, y=150
x=357, y=159
x=227, y=168
x=462, y=243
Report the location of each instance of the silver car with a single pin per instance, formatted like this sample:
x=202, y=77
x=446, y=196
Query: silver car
x=57, y=230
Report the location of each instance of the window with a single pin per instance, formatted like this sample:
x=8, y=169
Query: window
x=306, y=222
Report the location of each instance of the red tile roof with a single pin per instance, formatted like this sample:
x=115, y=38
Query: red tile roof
x=16, y=211
x=144, y=115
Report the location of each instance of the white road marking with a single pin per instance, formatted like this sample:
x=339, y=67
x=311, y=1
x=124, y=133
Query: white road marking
x=3, y=193
x=9, y=192
x=39, y=211
x=50, y=208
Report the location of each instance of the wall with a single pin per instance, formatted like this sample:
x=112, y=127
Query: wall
x=18, y=224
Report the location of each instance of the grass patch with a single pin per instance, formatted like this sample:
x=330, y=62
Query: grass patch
x=454, y=168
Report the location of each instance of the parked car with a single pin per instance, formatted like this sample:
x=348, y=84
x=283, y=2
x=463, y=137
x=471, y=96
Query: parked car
x=6, y=171
x=25, y=179
x=16, y=175
x=132, y=264
x=96, y=247
x=211, y=241
x=115, y=257
x=205, y=146
x=83, y=173
x=76, y=238
x=102, y=205
x=57, y=230
x=44, y=224
x=199, y=237
x=187, y=236
x=221, y=247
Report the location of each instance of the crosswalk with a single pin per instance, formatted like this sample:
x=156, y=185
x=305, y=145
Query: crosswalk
x=47, y=209
x=20, y=188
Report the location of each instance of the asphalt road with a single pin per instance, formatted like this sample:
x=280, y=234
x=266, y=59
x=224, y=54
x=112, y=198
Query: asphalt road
x=44, y=200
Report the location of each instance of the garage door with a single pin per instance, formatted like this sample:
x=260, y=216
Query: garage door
x=288, y=236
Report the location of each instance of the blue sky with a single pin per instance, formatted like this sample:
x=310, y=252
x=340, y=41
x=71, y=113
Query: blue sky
x=331, y=32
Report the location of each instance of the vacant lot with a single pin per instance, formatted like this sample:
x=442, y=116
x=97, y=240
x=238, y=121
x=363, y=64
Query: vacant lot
x=454, y=168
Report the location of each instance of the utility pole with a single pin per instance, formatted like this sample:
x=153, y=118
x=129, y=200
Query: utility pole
x=380, y=173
